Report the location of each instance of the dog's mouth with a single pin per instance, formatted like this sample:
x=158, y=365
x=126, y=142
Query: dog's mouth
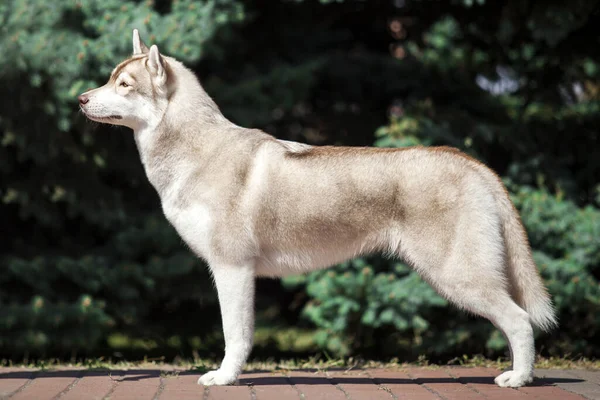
x=102, y=118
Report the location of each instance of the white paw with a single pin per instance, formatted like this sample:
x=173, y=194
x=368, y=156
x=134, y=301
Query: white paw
x=513, y=379
x=217, y=377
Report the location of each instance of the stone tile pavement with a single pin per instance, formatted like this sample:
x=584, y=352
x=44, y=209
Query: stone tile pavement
x=165, y=383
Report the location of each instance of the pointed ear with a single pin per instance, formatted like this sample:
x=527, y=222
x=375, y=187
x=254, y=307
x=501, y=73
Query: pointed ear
x=156, y=64
x=138, y=46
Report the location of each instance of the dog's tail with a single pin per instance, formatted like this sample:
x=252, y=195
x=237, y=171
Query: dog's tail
x=527, y=287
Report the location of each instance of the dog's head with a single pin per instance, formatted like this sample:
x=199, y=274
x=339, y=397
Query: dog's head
x=136, y=95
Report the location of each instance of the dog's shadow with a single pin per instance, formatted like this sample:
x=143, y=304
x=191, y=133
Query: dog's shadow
x=273, y=380
x=357, y=380
x=374, y=379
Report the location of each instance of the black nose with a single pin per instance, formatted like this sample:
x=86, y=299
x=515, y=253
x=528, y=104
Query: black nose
x=82, y=99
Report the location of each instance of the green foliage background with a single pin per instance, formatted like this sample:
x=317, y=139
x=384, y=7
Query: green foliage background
x=89, y=266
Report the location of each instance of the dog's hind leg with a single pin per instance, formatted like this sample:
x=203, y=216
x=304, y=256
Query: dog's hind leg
x=472, y=273
x=235, y=288
x=514, y=323
x=485, y=294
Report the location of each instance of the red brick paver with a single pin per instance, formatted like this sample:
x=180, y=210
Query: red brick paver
x=315, y=386
x=401, y=385
x=15, y=379
x=181, y=385
x=138, y=384
x=94, y=385
x=168, y=383
x=47, y=385
x=439, y=382
x=270, y=386
x=358, y=384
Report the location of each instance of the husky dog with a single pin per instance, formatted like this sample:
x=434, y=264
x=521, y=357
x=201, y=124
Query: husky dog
x=252, y=205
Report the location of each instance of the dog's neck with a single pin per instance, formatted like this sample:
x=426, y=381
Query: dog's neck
x=190, y=123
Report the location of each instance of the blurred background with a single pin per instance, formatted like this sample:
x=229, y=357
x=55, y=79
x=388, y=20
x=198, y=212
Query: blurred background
x=89, y=267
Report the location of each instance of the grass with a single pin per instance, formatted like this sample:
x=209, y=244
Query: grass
x=318, y=363
x=284, y=339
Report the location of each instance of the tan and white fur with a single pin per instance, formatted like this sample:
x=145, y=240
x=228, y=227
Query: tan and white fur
x=252, y=205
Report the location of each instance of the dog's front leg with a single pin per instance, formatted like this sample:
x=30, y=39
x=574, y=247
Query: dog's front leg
x=235, y=288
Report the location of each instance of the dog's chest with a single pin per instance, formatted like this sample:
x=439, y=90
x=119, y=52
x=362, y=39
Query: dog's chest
x=193, y=224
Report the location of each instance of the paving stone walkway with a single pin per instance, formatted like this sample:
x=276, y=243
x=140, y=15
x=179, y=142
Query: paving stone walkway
x=412, y=383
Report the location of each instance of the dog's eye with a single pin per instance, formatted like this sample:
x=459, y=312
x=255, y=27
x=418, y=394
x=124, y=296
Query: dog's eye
x=124, y=84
